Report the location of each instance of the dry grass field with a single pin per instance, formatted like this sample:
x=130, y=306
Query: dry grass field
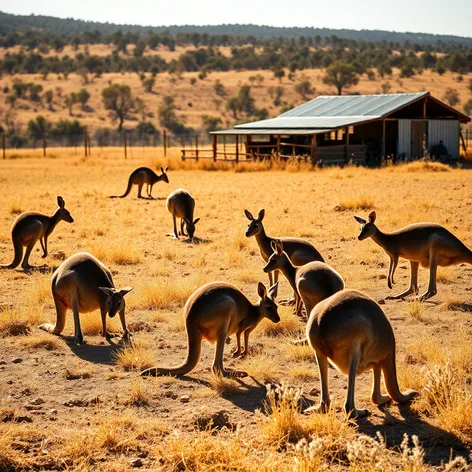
x=84, y=408
x=196, y=99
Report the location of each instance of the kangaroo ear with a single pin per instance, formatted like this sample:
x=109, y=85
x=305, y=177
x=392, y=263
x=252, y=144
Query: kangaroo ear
x=248, y=215
x=273, y=290
x=107, y=291
x=261, y=214
x=360, y=220
x=162, y=170
x=167, y=167
x=372, y=217
x=125, y=291
x=280, y=248
x=196, y=220
x=261, y=290
x=273, y=245
x=61, y=202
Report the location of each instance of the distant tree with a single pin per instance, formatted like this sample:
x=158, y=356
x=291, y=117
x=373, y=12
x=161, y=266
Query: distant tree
x=259, y=80
x=440, y=69
x=211, y=123
x=385, y=87
x=233, y=106
x=11, y=100
x=83, y=73
x=48, y=97
x=83, y=96
x=277, y=94
x=20, y=88
x=370, y=74
x=139, y=49
x=384, y=69
x=148, y=84
x=451, y=96
x=340, y=75
x=168, y=117
x=469, y=87
x=39, y=127
x=468, y=107
x=141, y=107
x=304, y=88
x=407, y=71
x=70, y=100
x=279, y=74
x=34, y=92
x=219, y=88
x=246, y=102
x=146, y=130
x=71, y=130
x=118, y=99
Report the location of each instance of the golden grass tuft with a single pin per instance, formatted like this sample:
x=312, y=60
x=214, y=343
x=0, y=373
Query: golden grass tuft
x=137, y=393
x=414, y=309
x=361, y=201
x=135, y=356
x=118, y=251
x=91, y=324
x=423, y=166
x=261, y=367
x=299, y=352
x=12, y=323
x=303, y=371
x=39, y=292
x=17, y=206
x=224, y=385
x=47, y=341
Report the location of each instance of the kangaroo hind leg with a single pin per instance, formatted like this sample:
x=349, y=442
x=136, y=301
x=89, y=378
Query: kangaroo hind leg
x=349, y=406
x=61, y=310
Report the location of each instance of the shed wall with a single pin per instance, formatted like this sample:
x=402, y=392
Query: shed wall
x=404, y=137
x=446, y=130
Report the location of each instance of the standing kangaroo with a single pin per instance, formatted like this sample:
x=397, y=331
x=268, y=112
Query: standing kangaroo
x=181, y=204
x=311, y=283
x=141, y=176
x=30, y=227
x=427, y=244
x=299, y=251
x=83, y=284
x=351, y=331
x=214, y=312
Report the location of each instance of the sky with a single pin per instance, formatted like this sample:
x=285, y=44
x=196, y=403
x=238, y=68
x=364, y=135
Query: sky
x=423, y=16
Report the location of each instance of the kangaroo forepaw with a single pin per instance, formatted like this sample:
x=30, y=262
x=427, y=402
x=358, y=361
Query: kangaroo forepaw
x=426, y=295
x=356, y=414
x=323, y=407
x=236, y=353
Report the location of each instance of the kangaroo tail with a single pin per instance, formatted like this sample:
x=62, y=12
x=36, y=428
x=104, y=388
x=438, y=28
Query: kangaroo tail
x=18, y=247
x=389, y=370
x=128, y=190
x=193, y=356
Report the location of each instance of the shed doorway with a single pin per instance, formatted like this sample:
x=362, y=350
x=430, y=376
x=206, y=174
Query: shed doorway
x=419, y=138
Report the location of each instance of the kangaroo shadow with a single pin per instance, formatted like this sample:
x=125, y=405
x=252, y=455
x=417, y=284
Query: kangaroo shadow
x=98, y=354
x=436, y=442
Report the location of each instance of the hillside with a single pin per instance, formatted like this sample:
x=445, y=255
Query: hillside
x=69, y=26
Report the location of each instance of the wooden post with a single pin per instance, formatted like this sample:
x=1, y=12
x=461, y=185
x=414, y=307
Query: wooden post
x=224, y=146
x=85, y=143
x=126, y=150
x=89, y=145
x=165, y=142
x=4, y=147
x=424, y=108
x=237, y=148
x=213, y=137
x=346, y=145
x=313, y=147
x=278, y=146
x=383, y=139
x=44, y=146
x=196, y=147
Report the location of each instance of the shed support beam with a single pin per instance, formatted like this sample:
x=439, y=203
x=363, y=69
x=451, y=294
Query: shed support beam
x=213, y=137
x=383, y=138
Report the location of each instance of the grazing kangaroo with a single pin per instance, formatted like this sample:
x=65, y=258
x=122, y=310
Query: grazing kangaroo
x=29, y=227
x=428, y=244
x=83, y=284
x=299, y=251
x=351, y=331
x=214, y=312
x=311, y=282
x=141, y=176
x=181, y=204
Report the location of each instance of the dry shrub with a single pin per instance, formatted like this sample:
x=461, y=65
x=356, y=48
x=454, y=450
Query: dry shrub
x=46, y=341
x=38, y=293
x=303, y=371
x=300, y=352
x=12, y=323
x=10, y=459
x=415, y=310
x=361, y=201
x=290, y=325
x=422, y=166
x=135, y=356
x=225, y=385
x=137, y=395
x=283, y=423
x=91, y=324
x=17, y=206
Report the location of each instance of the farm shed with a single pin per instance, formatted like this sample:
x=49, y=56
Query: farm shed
x=339, y=129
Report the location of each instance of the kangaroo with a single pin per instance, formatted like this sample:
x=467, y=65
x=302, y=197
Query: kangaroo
x=299, y=251
x=214, y=312
x=29, y=227
x=83, y=284
x=141, y=176
x=351, y=331
x=181, y=204
x=311, y=282
x=427, y=244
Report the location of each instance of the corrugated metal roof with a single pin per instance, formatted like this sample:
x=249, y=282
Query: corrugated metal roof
x=354, y=105
x=255, y=131
x=333, y=112
x=306, y=122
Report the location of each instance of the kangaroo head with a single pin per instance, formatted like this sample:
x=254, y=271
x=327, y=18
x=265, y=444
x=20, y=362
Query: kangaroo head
x=255, y=225
x=63, y=214
x=115, y=301
x=367, y=227
x=276, y=259
x=267, y=306
x=164, y=176
x=190, y=226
